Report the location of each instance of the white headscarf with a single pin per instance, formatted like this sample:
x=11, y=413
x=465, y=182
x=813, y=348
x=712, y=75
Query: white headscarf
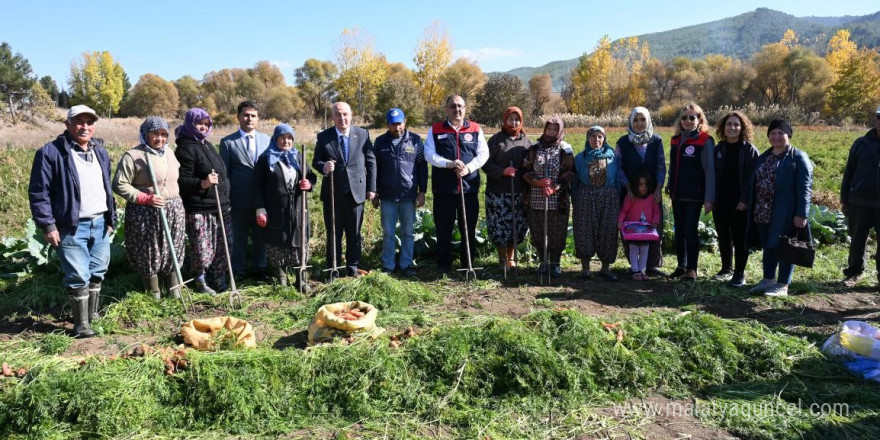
x=645, y=136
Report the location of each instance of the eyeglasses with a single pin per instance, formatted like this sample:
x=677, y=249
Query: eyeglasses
x=455, y=106
x=689, y=117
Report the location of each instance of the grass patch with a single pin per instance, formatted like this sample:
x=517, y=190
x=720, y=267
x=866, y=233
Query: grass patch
x=499, y=377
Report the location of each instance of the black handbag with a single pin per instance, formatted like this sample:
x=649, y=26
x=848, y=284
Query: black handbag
x=796, y=251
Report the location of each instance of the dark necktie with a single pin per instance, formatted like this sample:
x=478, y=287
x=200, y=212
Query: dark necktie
x=344, y=147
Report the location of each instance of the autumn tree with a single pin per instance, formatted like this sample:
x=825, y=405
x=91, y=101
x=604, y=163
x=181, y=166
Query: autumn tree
x=314, y=82
x=97, y=81
x=361, y=71
x=189, y=94
x=840, y=51
x=51, y=87
x=589, y=90
x=789, y=74
x=282, y=104
x=630, y=57
x=16, y=79
x=152, y=95
x=463, y=78
x=544, y=99
x=433, y=54
x=400, y=90
x=501, y=91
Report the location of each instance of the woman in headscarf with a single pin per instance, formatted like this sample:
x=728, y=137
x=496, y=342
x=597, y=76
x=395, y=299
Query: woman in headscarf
x=507, y=148
x=279, y=186
x=202, y=179
x=780, y=189
x=549, y=169
x=149, y=253
x=596, y=204
x=734, y=156
x=691, y=185
x=641, y=149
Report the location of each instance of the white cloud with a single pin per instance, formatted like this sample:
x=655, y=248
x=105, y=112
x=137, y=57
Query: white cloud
x=281, y=64
x=486, y=53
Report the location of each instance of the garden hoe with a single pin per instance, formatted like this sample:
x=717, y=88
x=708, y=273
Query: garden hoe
x=234, y=295
x=183, y=297
x=334, y=269
x=470, y=273
x=513, y=220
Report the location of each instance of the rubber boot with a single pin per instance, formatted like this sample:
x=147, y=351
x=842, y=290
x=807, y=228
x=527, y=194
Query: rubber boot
x=79, y=304
x=281, y=275
x=94, y=301
x=301, y=285
x=151, y=284
x=170, y=282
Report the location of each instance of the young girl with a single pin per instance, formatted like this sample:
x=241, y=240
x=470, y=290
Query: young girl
x=641, y=209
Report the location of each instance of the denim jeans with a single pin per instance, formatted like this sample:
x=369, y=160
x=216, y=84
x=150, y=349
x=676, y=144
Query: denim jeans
x=771, y=260
x=85, y=254
x=405, y=212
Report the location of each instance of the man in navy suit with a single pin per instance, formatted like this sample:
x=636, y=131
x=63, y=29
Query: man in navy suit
x=347, y=153
x=240, y=151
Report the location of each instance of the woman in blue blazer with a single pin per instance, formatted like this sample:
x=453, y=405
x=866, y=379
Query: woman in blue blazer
x=779, y=198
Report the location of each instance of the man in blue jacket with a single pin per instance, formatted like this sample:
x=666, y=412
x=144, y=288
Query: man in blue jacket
x=71, y=201
x=402, y=180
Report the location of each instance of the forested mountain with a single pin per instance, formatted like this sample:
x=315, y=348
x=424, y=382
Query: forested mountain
x=739, y=37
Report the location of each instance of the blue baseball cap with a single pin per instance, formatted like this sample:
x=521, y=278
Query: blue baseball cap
x=395, y=116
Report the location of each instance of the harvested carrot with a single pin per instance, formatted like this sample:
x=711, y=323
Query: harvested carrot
x=7, y=371
x=21, y=373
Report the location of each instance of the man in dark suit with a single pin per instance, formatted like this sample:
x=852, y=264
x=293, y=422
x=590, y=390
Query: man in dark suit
x=347, y=153
x=240, y=151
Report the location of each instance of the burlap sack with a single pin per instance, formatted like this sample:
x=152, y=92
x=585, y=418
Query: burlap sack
x=199, y=333
x=326, y=325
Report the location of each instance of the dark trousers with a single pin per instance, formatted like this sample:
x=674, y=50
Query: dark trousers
x=349, y=217
x=861, y=219
x=686, y=219
x=244, y=227
x=731, y=227
x=447, y=210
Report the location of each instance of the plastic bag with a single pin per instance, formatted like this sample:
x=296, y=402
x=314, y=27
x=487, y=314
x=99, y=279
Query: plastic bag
x=327, y=325
x=860, y=342
x=199, y=333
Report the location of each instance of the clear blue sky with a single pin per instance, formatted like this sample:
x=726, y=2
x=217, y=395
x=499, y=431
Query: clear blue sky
x=177, y=38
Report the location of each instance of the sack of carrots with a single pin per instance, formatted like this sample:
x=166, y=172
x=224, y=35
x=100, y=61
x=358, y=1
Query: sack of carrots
x=222, y=331
x=343, y=320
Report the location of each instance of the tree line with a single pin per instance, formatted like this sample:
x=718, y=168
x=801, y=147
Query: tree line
x=843, y=85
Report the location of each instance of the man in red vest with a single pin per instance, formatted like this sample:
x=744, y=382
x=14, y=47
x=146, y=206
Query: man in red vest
x=455, y=148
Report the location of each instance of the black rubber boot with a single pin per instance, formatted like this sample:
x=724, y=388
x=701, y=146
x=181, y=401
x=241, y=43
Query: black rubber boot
x=151, y=284
x=170, y=282
x=94, y=301
x=79, y=304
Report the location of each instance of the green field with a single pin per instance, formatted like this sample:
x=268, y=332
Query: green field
x=495, y=359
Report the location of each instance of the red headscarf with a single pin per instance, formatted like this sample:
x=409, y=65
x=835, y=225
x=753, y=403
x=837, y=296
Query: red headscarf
x=555, y=120
x=513, y=132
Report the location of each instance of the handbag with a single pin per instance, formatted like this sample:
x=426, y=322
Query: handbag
x=796, y=251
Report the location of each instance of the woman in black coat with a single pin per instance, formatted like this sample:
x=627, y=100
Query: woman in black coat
x=279, y=188
x=201, y=179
